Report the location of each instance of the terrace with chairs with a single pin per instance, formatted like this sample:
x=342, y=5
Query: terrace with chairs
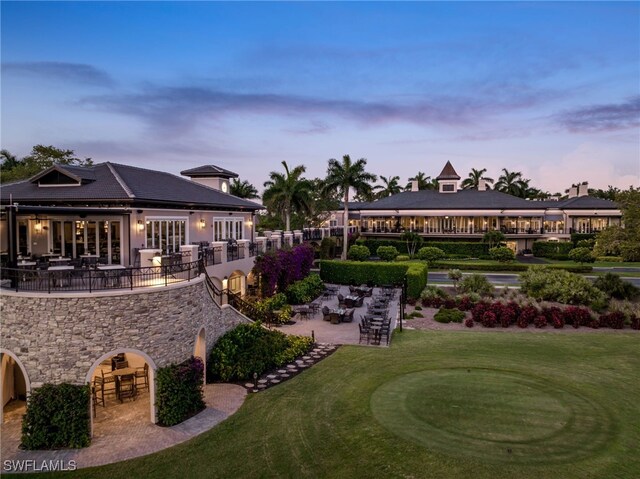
x=349, y=315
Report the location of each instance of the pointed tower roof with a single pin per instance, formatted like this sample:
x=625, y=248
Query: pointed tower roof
x=448, y=173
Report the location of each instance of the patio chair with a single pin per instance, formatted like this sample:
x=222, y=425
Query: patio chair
x=326, y=316
x=128, y=387
x=348, y=316
x=365, y=333
x=103, y=385
x=334, y=318
x=143, y=373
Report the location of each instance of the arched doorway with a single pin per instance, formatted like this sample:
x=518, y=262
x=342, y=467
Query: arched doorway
x=123, y=389
x=237, y=283
x=200, y=350
x=14, y=386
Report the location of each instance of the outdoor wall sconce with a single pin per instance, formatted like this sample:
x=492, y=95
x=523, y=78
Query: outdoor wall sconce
x=202, y=223
x=38, y=227
x=140, y=225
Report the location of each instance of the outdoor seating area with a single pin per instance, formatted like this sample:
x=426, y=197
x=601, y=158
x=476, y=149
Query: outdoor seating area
x=51, y=272
x=118, y=378
x=341, y=308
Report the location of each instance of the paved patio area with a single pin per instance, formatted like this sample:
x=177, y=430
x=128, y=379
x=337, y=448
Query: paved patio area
x=123, y=431
x=343, y=333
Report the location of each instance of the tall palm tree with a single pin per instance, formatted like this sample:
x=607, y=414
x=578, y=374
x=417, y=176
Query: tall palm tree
x=432, y=184
x=388, y=187
x=474, y=179
x=341, y=176
x=288, y=192
x=423, y=181
x=511, y=182
x=8, y=159
x=243, y=189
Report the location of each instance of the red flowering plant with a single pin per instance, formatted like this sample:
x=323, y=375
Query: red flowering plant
x=577, y=316
x=489, y=319
x=540, y=321
x=614, y=319
x=468, y=323
x=477, y=312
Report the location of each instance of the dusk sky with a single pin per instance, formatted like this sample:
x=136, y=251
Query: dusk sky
x=549, y=89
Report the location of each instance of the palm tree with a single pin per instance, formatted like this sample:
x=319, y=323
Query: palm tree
x=423, y=181
x=511, y=182
x=243, y=189
x=432, y=184
x=288, y=192
x=388, y=187
x=341, y=176
x=474, y=179
x=9, y=160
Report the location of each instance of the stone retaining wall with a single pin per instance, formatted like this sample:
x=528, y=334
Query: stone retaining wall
x=59, y=337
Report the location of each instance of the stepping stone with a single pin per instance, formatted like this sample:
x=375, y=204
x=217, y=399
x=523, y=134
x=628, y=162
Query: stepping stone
x=261, y=381
x=262, y=386
x=305, y=357
x=275, y=381
x=284, y=375
x=291, y=366
x=282, y=371
x=271, y=376
x=293, y=370
x=303, y=366
x=248, y=385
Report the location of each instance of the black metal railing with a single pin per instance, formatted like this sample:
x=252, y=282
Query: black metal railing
x=214, y=291
x=249, y=310
x=235, y=251
x=101, y=278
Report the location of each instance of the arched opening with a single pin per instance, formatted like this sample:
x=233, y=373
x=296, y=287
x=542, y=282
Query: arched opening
x=14, y=386
x=237, y=283
x=122, y=391
x=200, y=350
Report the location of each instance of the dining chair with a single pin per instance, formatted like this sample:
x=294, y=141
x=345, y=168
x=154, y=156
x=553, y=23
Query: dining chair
x=122, y=364
x=143, y=373
x=128, y=387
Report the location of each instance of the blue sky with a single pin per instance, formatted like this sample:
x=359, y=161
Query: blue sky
x=550, y=89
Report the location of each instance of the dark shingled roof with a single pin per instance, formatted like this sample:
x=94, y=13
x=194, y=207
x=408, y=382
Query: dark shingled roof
x=448, y=173
x=353, y=205
x=115, y=183
x=208, y=171
x=474, y=199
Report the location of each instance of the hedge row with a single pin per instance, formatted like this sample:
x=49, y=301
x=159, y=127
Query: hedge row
x=376, y=273
x=57, y=417
x=465, y=248
x=463, y=265
x=551, y=249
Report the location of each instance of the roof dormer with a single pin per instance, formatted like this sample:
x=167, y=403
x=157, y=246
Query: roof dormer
x=212, y=176
x=448, y=179
x=63, y=175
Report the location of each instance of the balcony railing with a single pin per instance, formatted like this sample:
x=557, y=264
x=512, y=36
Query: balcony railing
x=100, y=278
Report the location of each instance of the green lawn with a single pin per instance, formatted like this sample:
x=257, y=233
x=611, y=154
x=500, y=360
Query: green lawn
x=436, y=404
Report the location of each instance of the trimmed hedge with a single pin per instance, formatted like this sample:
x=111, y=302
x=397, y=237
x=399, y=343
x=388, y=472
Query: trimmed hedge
x=551, y=249
x=387, y=253
x=515, y=267
x=57, y=417
x=576, y=237
x=305, y=290
x=179, y=393
x=376, y=273
x=358, y=253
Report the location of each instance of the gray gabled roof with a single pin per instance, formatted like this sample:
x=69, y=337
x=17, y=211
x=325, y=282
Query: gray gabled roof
x=474, y=200
x=116, y=183
x=208, y=171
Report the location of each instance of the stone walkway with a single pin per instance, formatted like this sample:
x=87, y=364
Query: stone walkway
x=288, y=371
x=342, y=333
x=123, y=431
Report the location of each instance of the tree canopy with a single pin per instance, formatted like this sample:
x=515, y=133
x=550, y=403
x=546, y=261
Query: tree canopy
x=41, y=157
x=288, y=192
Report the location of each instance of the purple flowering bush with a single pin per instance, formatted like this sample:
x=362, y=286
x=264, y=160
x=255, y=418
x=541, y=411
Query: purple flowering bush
x=284, y=267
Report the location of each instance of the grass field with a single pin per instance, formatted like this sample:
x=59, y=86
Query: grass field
x=435, y=404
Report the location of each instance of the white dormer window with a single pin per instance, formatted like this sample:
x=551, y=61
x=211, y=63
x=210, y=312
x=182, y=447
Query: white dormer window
x=448, y=186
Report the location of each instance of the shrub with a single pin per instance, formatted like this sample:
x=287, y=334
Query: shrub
x=502, y=254
x=430, y=254
x=179, y=393
x=615, y=287
x=415, y=314
x=417, y=277
x=57, y=417
x=552, y=249
x=358, y=253
x=462, y=248
x=586, y=243
x=468, y=323
x=328, y=248
x=465, y=302
x=454, y=275
x=264, y=309
x=387, y=253
x=284, y=267
x=610, y=259
x=476, y=283
x=577, y=316
x=432, y=296
x=305, y=290
x=449, y=316
x=418, y=308
x=494, y=238
x=489, y=320
x=250, y=348
x=581, y=255
x=556, y=285
x=540, y=321
x=614, y=319
x=402, y=257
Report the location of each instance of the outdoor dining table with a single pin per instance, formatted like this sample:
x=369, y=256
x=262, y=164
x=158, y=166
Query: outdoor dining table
x=111, y=273
x=117, y=373
x=26, y=264
x=58, y=274
x=58, y=261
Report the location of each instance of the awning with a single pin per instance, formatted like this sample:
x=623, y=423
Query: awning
x=553, y=218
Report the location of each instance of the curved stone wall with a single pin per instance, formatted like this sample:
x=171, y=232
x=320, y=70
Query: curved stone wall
x=59, y=337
